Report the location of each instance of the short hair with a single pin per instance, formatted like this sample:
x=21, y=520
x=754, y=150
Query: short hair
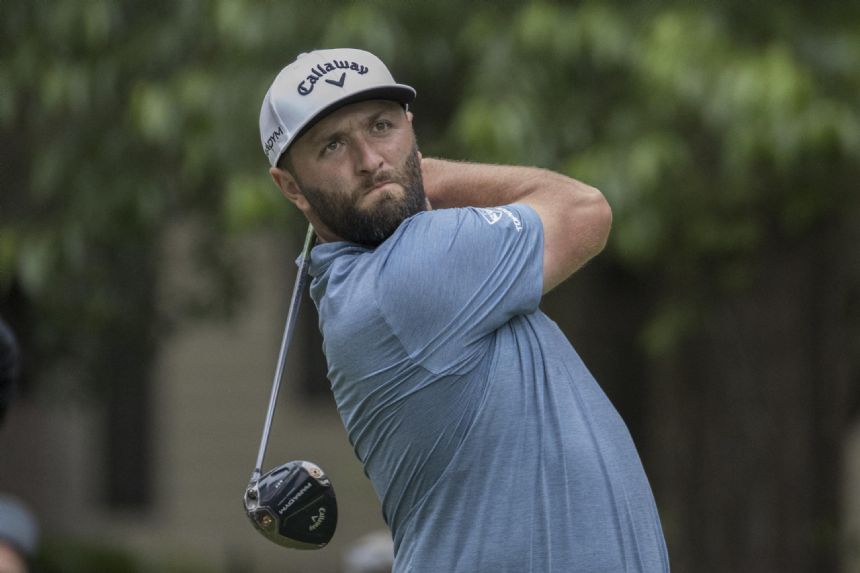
x=285, y=163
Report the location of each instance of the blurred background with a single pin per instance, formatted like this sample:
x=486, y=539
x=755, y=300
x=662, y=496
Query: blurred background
x=146, y=259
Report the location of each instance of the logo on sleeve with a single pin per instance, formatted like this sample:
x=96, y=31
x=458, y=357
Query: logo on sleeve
x=491, y=215
x=494, y=215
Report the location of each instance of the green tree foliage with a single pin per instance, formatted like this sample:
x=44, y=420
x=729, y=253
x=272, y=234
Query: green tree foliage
x=713, y=146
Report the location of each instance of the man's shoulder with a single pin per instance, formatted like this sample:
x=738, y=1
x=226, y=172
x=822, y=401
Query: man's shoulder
x=426, y=243
x=513, y=215
x=442, y=222
x=439, y=230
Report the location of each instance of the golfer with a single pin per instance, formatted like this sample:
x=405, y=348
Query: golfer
x=490, y=445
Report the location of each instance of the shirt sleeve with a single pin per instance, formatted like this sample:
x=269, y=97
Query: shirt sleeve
x=452, y=277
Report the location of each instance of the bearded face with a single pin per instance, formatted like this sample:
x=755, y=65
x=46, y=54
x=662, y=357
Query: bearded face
x=367, y=214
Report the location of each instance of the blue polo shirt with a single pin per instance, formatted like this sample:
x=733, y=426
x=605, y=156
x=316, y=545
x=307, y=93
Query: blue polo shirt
x=490, y=445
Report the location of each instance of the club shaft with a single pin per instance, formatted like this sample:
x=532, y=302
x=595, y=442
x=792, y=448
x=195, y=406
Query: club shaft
x=289, y=327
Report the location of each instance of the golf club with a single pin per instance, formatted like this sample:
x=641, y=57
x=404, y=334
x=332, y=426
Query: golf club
x=293, y=504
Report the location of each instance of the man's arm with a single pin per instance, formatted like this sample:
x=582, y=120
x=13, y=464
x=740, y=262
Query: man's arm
x=576, y=217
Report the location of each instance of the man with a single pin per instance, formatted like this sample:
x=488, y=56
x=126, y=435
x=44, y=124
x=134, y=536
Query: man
x=489, y=444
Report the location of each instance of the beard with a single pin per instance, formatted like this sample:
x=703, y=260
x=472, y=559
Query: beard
x=372, y=225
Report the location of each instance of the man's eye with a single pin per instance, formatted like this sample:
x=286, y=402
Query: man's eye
x=332, y=145
x=381, y=125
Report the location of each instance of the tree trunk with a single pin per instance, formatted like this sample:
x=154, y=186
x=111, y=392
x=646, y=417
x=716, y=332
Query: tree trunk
x=751, y=415
x=740, y=428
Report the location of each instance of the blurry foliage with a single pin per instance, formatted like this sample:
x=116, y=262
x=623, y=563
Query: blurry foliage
x=715, y=143
x=74, y=556
x=718, y=131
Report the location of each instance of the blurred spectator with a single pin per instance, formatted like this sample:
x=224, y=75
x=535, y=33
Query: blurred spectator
x=8, y=367
x=373, y=553
x=19, y=536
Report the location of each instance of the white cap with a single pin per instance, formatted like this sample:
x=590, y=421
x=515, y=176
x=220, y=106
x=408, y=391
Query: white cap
x=316, y=84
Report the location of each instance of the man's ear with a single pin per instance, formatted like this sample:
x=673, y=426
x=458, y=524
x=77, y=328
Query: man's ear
x=289, y=188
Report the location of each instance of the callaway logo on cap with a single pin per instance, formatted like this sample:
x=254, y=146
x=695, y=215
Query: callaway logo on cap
x=316, y=84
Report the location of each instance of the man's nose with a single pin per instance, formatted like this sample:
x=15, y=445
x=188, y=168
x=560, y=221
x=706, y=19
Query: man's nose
x=368, y=159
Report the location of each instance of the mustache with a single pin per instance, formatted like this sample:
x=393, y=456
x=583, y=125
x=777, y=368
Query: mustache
x=377, y=179
x=392, y=175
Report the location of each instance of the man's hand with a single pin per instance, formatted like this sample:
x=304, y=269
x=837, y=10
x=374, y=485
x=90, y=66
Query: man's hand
x=576, y=217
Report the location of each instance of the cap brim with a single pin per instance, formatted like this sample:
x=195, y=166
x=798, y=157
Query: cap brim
x=400, y=93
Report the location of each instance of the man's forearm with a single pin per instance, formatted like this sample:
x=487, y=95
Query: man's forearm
x=460, y=184
x=576, y=217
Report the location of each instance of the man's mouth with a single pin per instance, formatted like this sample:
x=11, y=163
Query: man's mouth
x=378, y=186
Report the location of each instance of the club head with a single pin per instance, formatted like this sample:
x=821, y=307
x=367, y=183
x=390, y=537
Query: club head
x=293, y=505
